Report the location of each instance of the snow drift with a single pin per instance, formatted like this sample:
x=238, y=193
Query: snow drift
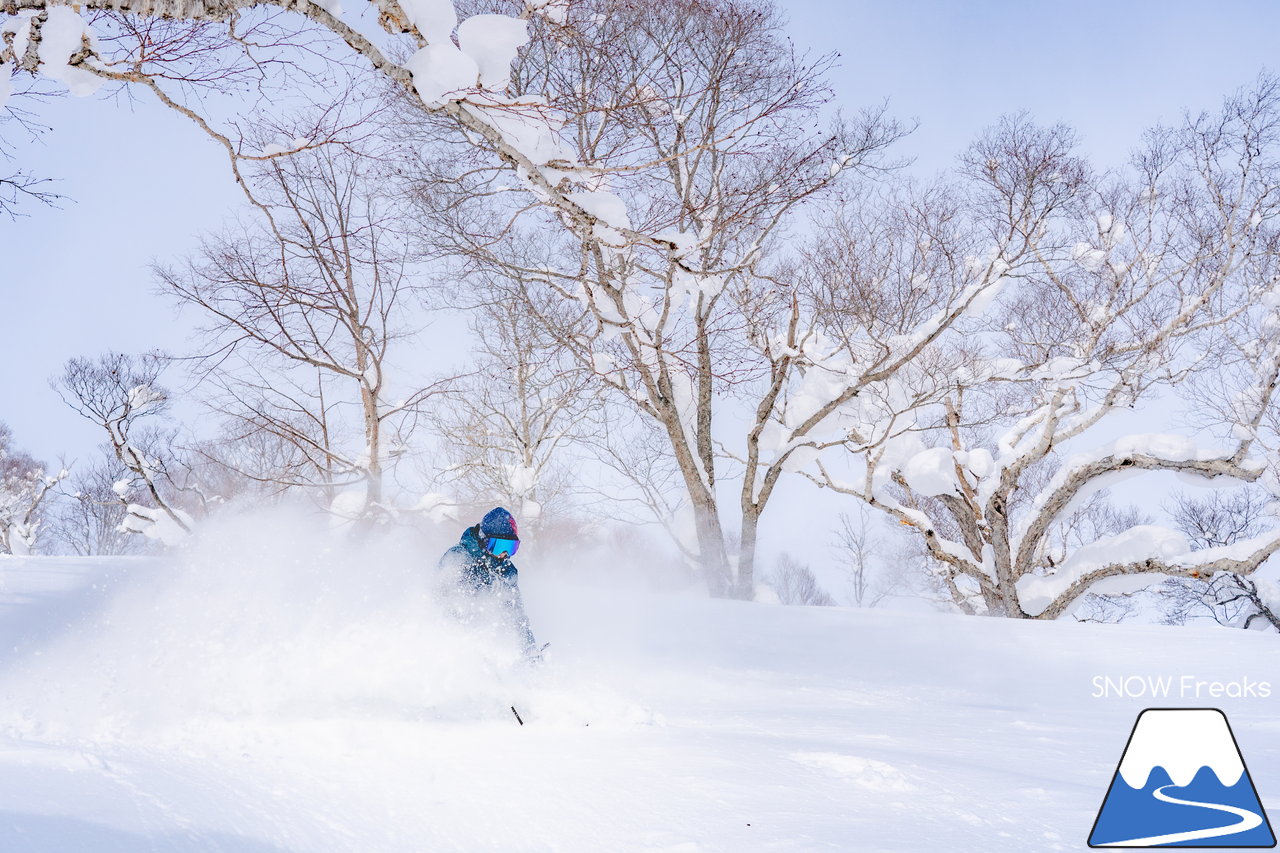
x=270, y=690
x=265, y=620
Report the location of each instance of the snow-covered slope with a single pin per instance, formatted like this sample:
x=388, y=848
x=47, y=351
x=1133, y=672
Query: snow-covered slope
x=260, y=697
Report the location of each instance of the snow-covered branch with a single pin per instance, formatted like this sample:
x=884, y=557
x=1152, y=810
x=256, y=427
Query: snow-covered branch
x=120, y=394
x=1133, y=292
x=683, y=118
x=25, y=486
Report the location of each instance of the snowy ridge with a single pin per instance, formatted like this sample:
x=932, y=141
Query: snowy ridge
x=1181, y=741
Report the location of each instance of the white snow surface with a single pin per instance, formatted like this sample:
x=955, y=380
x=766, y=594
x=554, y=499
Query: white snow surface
x=525, y=124
x=441, y=69
x=487, y=45
x=155, y=524
x=492, y=41
x=143, y=398
x=1174, y=448
x=348, y=504
x=555, y=11
x=62, y=37
x=609, y=209
x=435, y=19
x=932, y=472
x=603, y=205
x=522, y=478
x=1240, y=550
x=979, y=304
x=273, y=687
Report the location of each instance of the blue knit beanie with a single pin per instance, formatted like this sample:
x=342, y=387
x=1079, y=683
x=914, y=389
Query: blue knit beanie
x=498, y=523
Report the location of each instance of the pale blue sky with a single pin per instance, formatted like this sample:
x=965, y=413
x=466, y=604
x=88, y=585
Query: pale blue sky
x=1109, y=69
x=144, y=184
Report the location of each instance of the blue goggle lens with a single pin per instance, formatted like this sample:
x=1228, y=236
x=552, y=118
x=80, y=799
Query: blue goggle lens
x=499, y=547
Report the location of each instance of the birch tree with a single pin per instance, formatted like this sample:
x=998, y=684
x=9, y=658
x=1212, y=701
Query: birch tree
x=794, y=583
x=87, y=518
x=257, y=453
x=308, y=315
x=509, y=424
x=1218, y=521
x=555, y=161
x=641, y=483
x=864, y=560
x=25, y=489
x=700, y=124
x=121, y=394
x=178, y=50
x=725, y=138
x=1137, y=288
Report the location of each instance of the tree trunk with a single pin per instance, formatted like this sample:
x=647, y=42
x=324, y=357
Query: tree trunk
x=745, y=588
x=713, y=557
x=373, y=492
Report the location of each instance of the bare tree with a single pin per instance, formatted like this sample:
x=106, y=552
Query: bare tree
x=1135, y=286
x=698, y=122
x=121, y=394
x=641, y=483
x=1218, y=521
x=508, y=424
x=795, y=583
x=282, y=430
x=1190, y=220
x=173, y=50
x=179, y=50
x=88, y=517
x=20, y=186
x=1221, y=518
x=861, y=556
x=690, y=113
x=309, y=323
x=25, y=486
x=244, y=462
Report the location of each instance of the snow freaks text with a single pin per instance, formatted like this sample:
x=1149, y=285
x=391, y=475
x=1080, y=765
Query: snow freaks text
x=1177, y=687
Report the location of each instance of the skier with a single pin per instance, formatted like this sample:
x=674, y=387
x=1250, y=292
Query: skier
x=480, y=564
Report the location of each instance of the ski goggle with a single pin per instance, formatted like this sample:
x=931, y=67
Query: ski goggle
x=501, y=547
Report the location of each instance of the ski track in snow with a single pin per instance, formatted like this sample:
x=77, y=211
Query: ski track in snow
x=663, y=723
x=1248, y=820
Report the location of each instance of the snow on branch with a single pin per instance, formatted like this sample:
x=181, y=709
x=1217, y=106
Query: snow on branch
x=24, y=488
x=120, y=394
x=463, y=81
x=1140, y=552
x=1083, y=472
x=1138, y=292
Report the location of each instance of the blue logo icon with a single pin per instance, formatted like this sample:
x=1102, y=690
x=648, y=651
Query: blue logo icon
x=1182, y=782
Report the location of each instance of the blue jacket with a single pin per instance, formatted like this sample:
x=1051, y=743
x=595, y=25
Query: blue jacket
x=476, y=571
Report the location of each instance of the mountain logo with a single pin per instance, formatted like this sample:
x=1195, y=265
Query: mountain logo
x=1182, y=782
